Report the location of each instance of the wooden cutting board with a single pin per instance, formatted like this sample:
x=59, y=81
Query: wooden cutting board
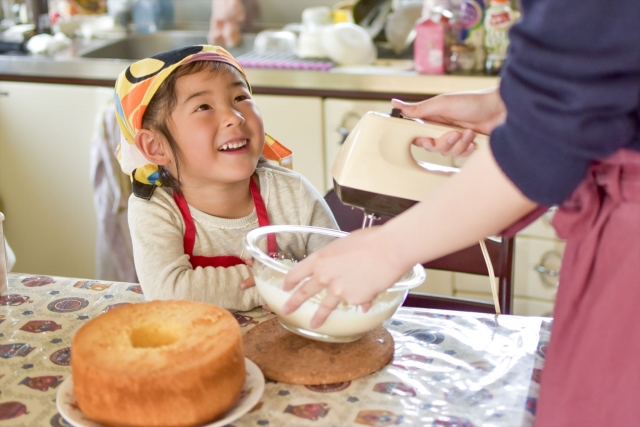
x=289, y=358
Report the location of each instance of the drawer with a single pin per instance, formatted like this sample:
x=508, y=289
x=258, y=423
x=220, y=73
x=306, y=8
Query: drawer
x=479, y=296
x=521, y=306
x=537, y=263
x=531, y=307
x=463, y=282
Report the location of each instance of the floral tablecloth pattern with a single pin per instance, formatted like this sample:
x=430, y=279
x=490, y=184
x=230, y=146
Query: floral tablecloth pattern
x=449, y=369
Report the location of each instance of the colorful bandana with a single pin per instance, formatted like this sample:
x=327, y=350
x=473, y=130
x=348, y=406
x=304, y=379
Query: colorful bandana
x=136, y=86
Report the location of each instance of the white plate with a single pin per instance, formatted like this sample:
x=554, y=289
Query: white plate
x=250, y=395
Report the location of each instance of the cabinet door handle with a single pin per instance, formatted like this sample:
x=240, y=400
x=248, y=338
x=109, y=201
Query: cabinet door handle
x=342, y=129
x=548, y=276
x=542, y=270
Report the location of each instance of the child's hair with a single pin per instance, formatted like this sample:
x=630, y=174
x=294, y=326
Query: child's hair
x=158, y=112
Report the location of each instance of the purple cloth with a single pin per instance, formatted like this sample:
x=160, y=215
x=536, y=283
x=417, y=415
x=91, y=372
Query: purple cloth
x=571, y=85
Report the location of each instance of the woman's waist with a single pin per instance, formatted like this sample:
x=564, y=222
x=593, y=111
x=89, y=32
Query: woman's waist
x=619, y=173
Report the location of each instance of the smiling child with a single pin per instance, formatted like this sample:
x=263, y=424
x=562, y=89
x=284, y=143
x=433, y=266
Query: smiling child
x=193, y=144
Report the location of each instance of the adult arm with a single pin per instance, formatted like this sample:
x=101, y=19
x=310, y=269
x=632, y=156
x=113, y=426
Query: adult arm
x=478, y=202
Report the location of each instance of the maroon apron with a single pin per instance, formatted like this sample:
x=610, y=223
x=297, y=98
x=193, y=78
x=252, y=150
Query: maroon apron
x=224, y=260
x=591, y=374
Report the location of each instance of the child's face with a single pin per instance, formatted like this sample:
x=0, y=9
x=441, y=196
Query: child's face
x=217, y=127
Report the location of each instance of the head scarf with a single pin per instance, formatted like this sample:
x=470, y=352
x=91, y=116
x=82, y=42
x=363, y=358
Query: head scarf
x=136, y=86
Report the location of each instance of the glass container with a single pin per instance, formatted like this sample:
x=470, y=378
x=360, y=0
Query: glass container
x=347, y=322
x=461, y=59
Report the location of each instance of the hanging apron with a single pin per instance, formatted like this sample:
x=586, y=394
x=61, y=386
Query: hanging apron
x=224, y=260
x=591, y=373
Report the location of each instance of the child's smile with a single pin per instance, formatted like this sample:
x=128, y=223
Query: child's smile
x=235, y=146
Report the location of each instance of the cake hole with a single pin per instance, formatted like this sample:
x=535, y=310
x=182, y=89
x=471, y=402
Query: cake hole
x=152, y=336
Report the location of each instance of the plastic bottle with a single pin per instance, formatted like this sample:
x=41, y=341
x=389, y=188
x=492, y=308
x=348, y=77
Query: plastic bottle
x=150, y=16
x=470, y=16
x=429, y=47
x=499, y=18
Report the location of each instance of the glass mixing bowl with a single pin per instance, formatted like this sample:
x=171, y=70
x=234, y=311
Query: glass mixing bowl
x=347, y=322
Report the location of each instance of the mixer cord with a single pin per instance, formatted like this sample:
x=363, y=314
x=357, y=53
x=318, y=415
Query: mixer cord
x=492, y=277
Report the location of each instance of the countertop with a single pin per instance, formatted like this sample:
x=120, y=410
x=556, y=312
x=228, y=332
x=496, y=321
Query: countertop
x=69, y=67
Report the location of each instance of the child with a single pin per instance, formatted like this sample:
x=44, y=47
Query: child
x=193, y=144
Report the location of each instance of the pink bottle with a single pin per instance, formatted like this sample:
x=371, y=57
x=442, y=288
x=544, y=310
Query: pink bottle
x=428, y=47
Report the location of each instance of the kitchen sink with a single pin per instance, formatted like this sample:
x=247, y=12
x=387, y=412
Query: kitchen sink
x=139, y=46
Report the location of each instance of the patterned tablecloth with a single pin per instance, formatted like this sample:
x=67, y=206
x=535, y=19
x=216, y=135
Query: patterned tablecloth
x=449, y=369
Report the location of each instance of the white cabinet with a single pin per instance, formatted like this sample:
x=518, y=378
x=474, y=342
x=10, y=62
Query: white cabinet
x=296, y=121
x=45, y=138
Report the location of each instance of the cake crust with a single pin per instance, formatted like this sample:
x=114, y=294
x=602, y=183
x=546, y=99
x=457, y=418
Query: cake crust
x=159, y=363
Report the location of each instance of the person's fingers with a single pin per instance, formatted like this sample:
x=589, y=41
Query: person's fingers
x=444, y=142
x=249, y=262
x=303, y=293
x=470, y=149
x=299, y=272
x=409, y=109
x=431, y=109
x=424, y=142
x=247, y=283
x=366, y=307
x=461, y=144
x=329, y=302
x=266, y=307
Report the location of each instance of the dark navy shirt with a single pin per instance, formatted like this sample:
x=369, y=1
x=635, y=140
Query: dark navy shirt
x=571, y=85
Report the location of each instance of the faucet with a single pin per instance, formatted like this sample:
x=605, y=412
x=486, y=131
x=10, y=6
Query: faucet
x=38, y=11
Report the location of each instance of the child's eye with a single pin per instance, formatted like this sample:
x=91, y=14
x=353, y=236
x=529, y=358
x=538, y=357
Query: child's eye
x=241, y=97
x=203, y=107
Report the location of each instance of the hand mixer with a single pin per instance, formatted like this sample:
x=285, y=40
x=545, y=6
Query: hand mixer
x=376, y=172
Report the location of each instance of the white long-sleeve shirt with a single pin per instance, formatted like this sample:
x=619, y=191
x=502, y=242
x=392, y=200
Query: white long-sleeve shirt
x=157, y=230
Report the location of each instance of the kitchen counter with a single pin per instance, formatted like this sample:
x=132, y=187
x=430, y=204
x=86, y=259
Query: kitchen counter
x=449, y=368
x=373, y=82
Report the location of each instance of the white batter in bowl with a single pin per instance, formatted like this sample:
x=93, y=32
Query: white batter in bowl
x=347, y=322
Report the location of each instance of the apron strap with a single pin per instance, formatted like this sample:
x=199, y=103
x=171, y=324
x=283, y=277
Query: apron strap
x=223, y=260
x=263, y=217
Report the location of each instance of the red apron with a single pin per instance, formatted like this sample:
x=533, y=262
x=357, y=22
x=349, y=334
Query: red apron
x=591, y=375
x=224, y=260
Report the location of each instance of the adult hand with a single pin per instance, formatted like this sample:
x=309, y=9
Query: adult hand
x=475, y=111
x=346, y=271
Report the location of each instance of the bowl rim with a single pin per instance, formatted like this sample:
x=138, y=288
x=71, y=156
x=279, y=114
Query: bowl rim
x=251, y=238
